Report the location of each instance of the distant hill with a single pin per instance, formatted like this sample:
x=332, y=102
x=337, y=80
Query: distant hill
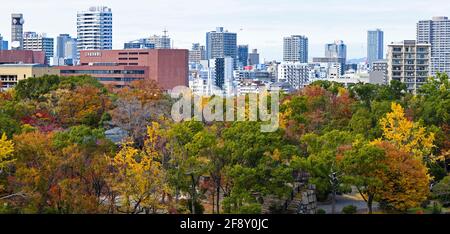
x=357, y=61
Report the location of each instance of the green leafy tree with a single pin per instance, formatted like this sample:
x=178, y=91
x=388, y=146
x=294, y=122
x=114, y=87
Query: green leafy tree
x=361, y=164
x=323, y=161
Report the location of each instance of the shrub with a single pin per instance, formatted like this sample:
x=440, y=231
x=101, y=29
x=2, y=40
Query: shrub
x=437, y=209
x=321, y=211
x=351, y=209
x=252, y=208
x=186, y=206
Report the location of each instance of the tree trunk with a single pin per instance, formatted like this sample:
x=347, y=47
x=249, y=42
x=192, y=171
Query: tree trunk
x=213, y=201
x=193, y=194
x=218, y=196
x=333, y=202
x=369, y=203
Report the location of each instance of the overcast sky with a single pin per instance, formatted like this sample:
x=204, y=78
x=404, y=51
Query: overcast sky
x=259, y=23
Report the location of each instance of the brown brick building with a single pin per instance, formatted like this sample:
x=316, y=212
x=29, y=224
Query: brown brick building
x=169, y=67
x=22, y=57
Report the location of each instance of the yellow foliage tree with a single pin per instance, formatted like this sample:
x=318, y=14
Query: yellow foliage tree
x=407, y=135
x=6, y=151
x=139, y=179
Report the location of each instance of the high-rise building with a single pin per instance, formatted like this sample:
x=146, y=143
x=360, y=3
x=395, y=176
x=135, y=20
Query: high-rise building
x=197, y=53
x=3, y=43
x=160, y=42
x=39, y=42
x=223, y=68
x=17, y=22
x=437, y=33
x=409, y=62
x=94, y=29
x=66, y=50
x=336, y=50
x=221, y=44
x=294, y=73
x=375, y=46
x=295, y=49
x=242, y=55
x=253, y=57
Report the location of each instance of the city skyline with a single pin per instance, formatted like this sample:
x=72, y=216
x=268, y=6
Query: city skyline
x=187, y=23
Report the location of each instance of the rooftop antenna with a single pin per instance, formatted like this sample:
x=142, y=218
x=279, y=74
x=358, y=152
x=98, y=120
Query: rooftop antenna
x=165, y=32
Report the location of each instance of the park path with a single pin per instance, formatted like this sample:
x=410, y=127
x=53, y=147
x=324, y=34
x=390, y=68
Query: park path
x=354, y=198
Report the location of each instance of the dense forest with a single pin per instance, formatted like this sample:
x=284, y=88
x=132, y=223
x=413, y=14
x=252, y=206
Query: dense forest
x=55, y=155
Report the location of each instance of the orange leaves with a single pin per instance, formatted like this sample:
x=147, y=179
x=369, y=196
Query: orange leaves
x=144, y=90
x=84, y=105
x=405, y=181
x=316, y=108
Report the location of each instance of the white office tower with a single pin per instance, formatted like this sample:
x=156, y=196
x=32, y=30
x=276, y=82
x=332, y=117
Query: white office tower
x=94, y=29
x=296, y=74
x=409, y=62
x=437, y=33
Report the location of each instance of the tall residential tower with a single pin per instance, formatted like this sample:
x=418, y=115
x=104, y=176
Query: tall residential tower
x=295, y=49
x=409, y=63
x=437, y=33
x=221, y=44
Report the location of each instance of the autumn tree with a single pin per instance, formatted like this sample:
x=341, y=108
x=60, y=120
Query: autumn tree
x=6, y=151
x=6, y=159
x=405, y=183
x=406, y=135
x=62, y=172
x=137, y=105
x=138, y=177
x=83, y=105
x=36, y=171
